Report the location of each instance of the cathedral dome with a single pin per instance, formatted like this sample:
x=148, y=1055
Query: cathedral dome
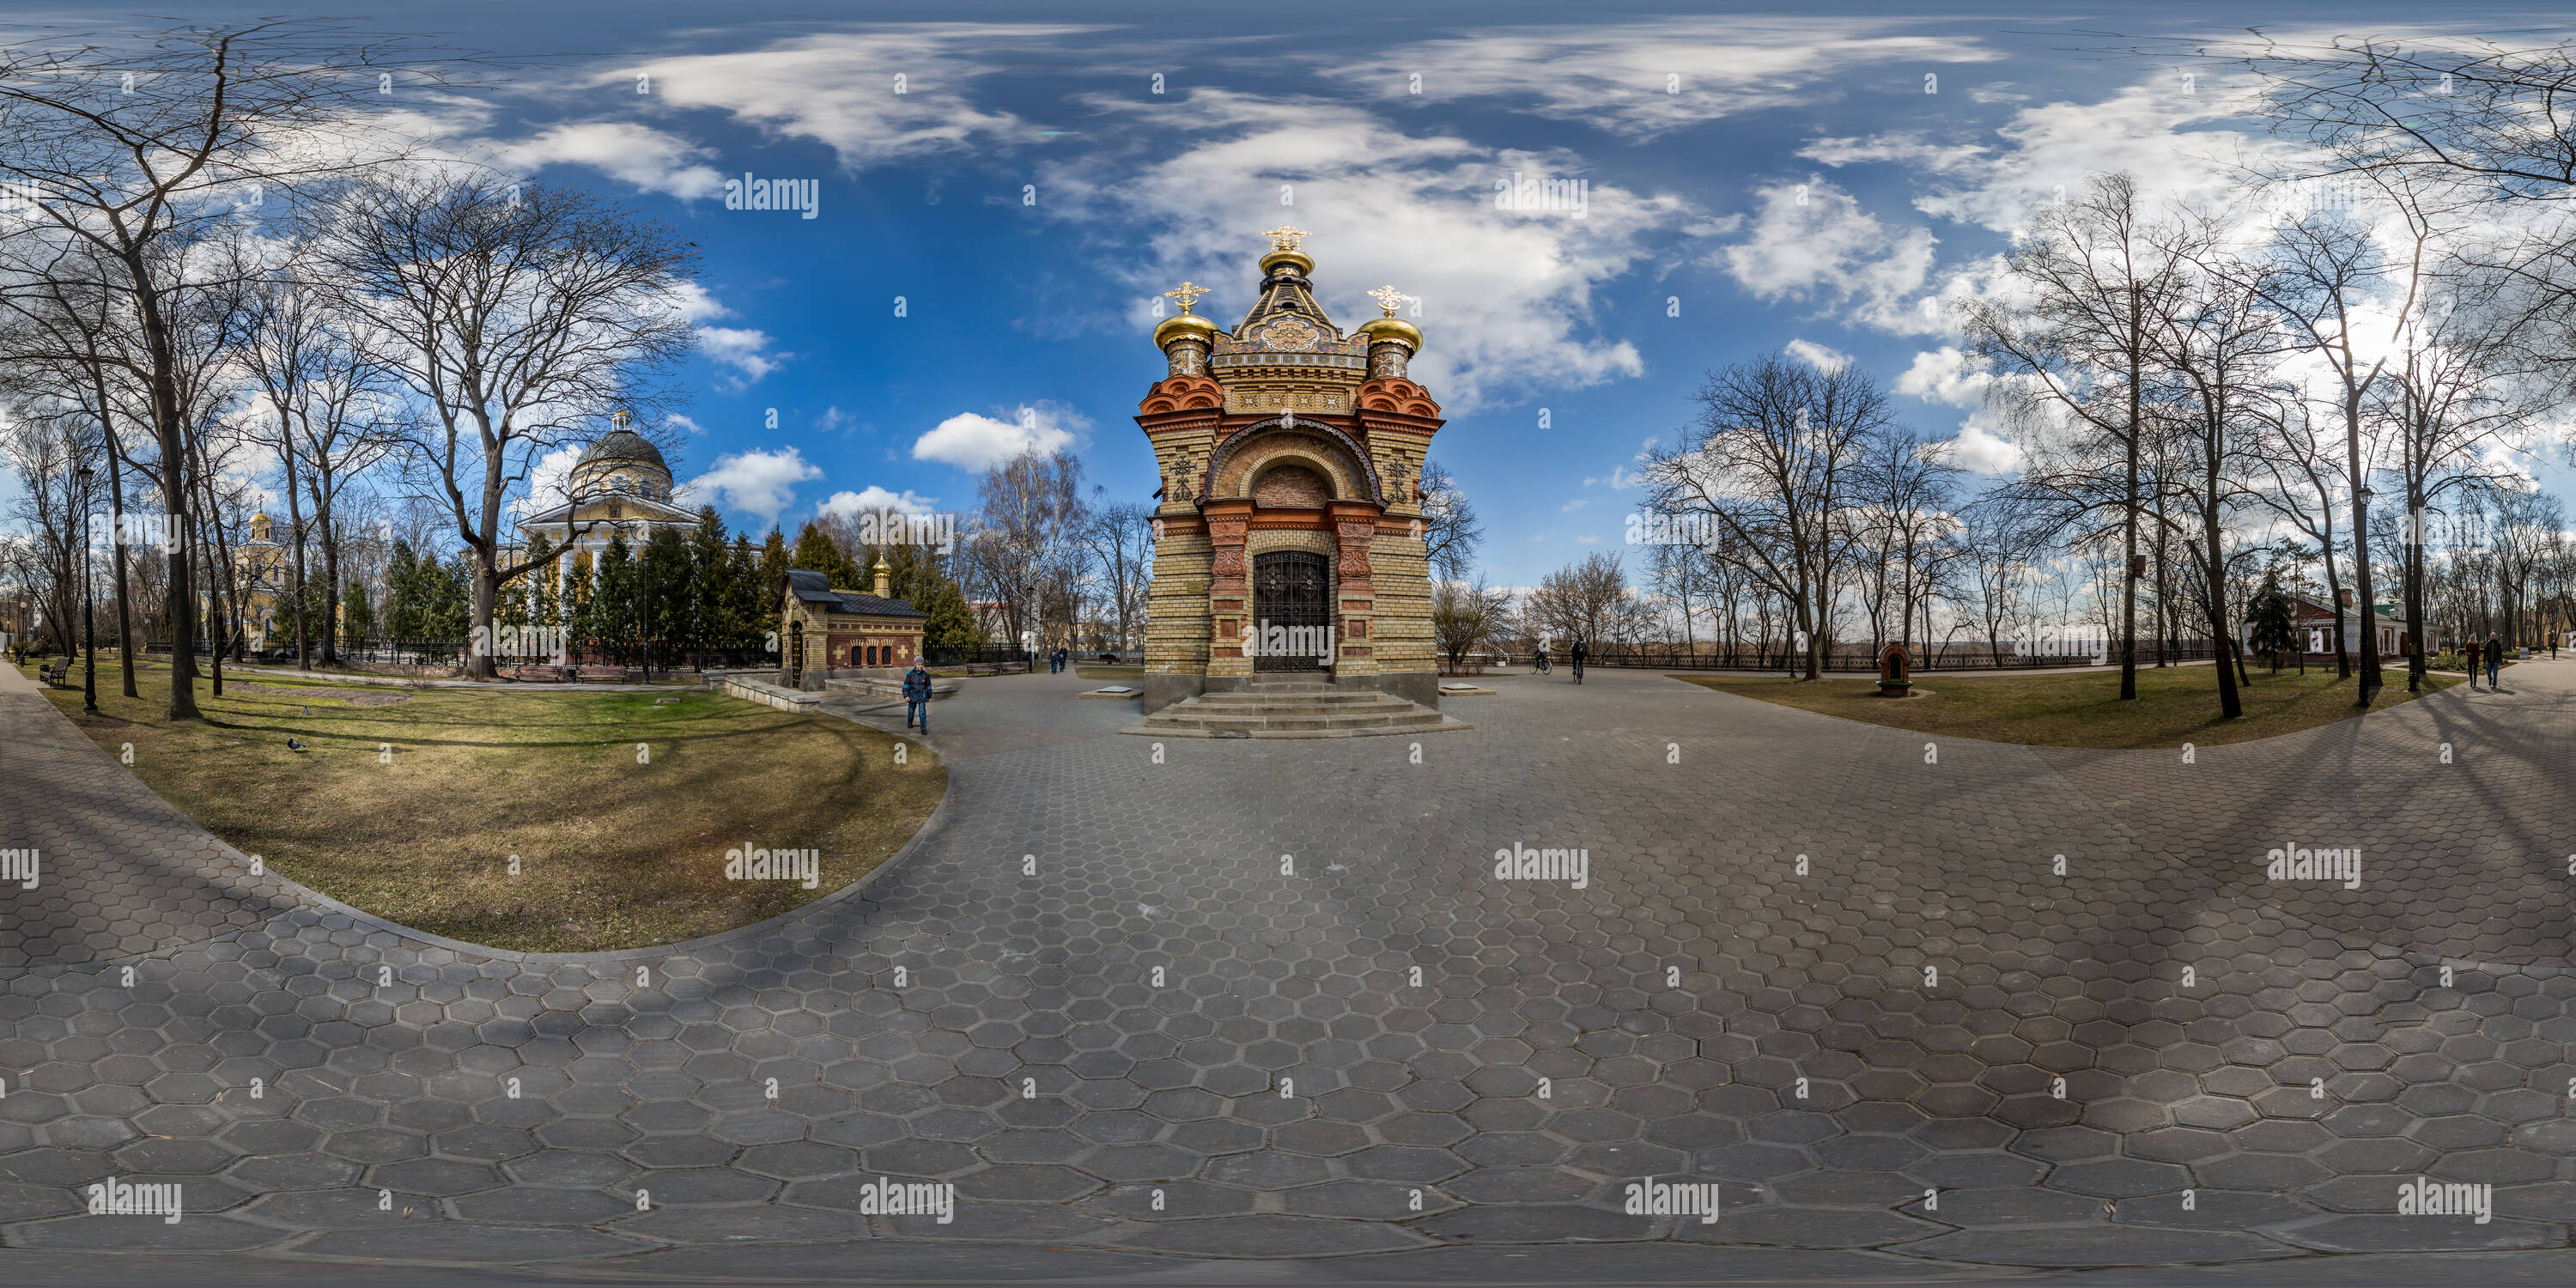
x=623, y=445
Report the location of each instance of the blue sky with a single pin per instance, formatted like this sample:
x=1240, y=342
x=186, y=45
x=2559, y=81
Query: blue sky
x=1810, y=173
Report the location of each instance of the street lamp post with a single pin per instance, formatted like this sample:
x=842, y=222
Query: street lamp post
x=645, y=615
x=89, y=630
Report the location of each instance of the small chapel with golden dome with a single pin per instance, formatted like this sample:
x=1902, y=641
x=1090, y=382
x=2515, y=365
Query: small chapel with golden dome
x=1291, y=455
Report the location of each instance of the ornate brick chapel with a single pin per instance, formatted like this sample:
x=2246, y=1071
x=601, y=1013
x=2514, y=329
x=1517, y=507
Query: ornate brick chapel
x=1291, y=457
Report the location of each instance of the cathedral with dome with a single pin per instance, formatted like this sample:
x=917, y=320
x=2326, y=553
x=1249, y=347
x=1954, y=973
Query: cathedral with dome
x=620, y=486
x=1291, y=455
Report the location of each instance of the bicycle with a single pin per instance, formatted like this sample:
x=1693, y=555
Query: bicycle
x=1540, y=662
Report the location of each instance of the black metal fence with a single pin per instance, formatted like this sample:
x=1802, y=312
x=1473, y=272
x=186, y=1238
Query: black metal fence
x=979, y=655
x=1955, y=656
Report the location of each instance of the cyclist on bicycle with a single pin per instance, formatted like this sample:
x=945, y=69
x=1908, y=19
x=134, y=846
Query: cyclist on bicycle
x=1577, y=653
x=1539, y=660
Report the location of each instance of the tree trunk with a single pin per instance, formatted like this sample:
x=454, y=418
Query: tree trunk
x=2361, y=608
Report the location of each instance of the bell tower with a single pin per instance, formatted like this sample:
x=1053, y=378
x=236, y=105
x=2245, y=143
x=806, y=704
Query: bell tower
x=1289, y=537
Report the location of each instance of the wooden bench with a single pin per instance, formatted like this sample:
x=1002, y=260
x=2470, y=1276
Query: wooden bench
x=53, y=672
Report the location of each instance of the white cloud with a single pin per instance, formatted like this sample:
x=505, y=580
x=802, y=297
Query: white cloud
x=685, y=423
x=756, y=482
x=1574, y=505
x=1944, y=375
x=744, y=350
x=1979, y=451
x=549, y=480
x=840, y=88
x=623, y=150
x=971, y=441
x=1811, y=240
x=1818, y=356
x=877, y=500
x=1641, y=79
x=1502, y=292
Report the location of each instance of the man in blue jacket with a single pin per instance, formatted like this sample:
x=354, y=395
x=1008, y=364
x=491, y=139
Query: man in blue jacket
x=916, y=698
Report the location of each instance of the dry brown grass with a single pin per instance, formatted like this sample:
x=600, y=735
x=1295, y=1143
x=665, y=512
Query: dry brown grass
x=2081, y=709
x=615, y=851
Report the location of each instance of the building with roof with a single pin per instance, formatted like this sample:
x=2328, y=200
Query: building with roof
x=2312, y=627
x=823, y=629
x=620, y=486
x=1291, y=454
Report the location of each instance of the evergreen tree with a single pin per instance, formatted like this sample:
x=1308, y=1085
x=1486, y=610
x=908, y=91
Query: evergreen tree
x=815, y=550
x=543, y=608
x=403, y=602
x=674, y=599
x=2272, y=616
x=358, y=617
x=580, y=617
x=747, y=608
x=710, y=576
x=614, y=602
x=773, y=579
x=445, y=609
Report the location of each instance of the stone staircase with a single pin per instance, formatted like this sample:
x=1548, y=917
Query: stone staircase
x=1294, y=709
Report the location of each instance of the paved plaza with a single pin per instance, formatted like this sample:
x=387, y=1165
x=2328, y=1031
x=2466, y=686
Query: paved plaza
x=1160, y=1010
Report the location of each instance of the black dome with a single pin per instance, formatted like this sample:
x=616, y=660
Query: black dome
x=623, y=445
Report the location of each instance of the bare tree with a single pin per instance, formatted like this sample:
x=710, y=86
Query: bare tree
x=516, y=316
x=2077, y=357
x=1450, y=530
x=1119, y=541
x=1026, y=539
x=1770, y=460
x=1587, y=600
x=135, y=151
x=1467, y=618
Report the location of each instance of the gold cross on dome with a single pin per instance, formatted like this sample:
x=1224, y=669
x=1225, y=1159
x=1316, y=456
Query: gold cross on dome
x=1387, y=298
x=1285, y=237
x=1187, y=293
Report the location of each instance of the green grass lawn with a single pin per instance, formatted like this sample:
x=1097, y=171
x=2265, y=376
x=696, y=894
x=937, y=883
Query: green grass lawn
x=616, y=850
x=2081, y=709
x=1106, y=672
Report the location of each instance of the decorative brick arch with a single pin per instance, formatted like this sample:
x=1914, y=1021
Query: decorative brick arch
x=1183, y=393
x=1232, y=467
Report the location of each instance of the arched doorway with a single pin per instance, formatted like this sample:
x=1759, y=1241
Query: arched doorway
x=1292, y=595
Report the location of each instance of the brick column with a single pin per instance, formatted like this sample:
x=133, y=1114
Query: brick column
x=1355, y=591
x=1229, y=585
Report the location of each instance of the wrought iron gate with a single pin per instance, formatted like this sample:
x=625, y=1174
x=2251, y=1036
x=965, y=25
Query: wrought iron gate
x=1292, y=589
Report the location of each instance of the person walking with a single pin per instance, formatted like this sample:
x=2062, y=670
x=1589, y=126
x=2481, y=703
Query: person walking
x=916, y=698
x=1578, y=653
x=2495, y=657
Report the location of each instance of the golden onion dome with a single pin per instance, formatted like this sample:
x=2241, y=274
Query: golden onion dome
x=1186, y=324
x=1392, y=328
x=1278, y=257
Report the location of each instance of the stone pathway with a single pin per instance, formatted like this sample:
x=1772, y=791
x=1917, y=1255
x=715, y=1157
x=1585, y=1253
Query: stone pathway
x=1269, y=1000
